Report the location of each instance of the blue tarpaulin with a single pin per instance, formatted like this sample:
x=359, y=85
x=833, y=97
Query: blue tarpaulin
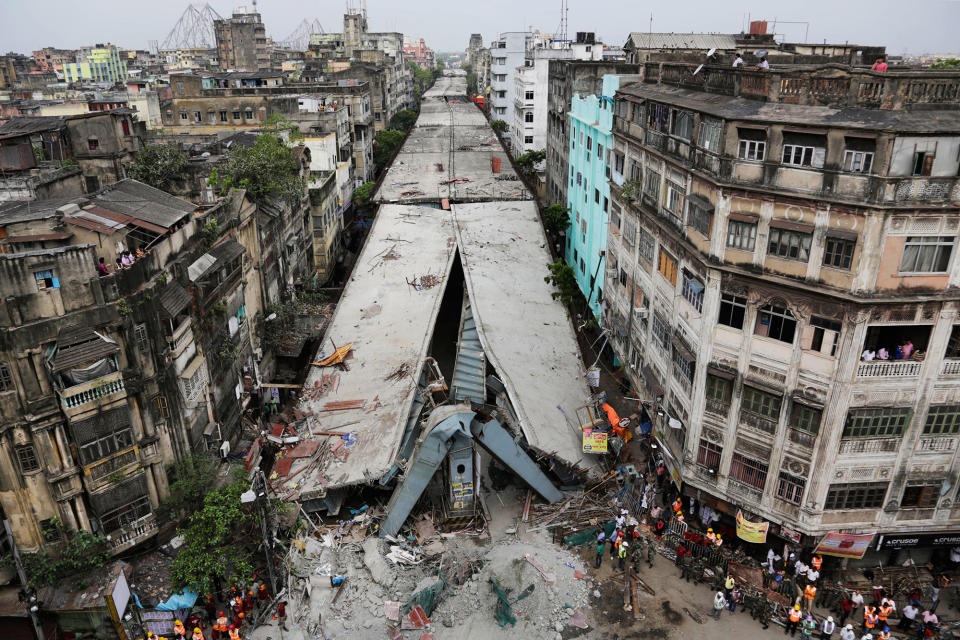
x=183, y=600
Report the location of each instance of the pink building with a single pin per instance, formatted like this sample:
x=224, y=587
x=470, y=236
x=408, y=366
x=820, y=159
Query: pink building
x=418, y=51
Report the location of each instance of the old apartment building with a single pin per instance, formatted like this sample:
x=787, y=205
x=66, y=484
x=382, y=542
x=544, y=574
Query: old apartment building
x=242, y=42
x=781, y=275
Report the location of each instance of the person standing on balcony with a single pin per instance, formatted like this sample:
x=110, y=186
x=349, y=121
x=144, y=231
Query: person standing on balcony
x=907, y=349
x=763, y=65
x=883, y=354
x=880, y=66
x=737, y=61
x=102, y=269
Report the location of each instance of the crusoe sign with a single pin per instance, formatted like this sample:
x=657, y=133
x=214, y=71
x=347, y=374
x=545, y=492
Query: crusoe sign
x=906, y=541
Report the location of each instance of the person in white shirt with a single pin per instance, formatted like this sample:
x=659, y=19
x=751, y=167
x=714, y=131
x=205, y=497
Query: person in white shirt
x=868, y=355
x=857, y=600
x=955, y=555
x=763, y=65
x=847, y=633
x=737, y=61
x=909, y=616
x=812, y=575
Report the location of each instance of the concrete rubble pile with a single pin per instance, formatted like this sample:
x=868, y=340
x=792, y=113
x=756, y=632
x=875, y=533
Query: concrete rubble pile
x=442, y=587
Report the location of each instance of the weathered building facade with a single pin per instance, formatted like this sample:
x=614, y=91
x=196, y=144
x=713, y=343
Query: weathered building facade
x=781, y=273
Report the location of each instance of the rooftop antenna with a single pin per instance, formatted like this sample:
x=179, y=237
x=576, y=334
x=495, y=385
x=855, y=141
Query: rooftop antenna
x=561, y=34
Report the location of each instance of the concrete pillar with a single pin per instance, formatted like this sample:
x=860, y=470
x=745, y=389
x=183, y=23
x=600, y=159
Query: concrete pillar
x=82, y=513
x=160, y=480
x=66, y=514
x=152, y=489
x=64, y=448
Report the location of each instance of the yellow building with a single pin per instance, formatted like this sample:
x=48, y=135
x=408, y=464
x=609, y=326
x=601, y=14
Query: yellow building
x=102, y=65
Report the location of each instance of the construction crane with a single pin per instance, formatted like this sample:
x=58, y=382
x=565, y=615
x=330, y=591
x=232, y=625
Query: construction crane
x=194, y=29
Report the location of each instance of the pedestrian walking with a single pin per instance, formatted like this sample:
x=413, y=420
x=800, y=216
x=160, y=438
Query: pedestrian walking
x=282, y=615
x=735, y=597
x=600, y=544
x=793, y=621
x=907, y=616
x=719, y=603
x=622, y=554
x=846, y=607
x=827, y=628
x=847, y=633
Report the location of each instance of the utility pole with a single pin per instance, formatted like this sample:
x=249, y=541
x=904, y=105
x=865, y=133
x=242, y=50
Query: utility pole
x=260, y=483
x=33, y=606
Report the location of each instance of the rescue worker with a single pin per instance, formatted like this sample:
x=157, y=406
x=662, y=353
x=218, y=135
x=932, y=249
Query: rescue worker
x=728, y=585
x=211, y=608
x=808, y=627
x=711, y=536
x=622, y=554
x=718, y=542
x=659, y=528
x=816, y=563
x=262, y=594
x=221, y=625
x=248, y=602
x=766, y=610
x=870, y=618
x=686, y=568
x=793, y=619
x=178, y=630
x=234, y=633
x=809, y=593
x=197, y=634
x=239, y=620
x=847, y=633
x=827, y=628
x=885, y=633
x=884, y=611
x=282, y=614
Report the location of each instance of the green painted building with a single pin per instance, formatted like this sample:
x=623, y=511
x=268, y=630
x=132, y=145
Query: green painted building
x=102, y=65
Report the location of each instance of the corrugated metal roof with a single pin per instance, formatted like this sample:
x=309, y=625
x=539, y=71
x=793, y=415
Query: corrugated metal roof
x=40, y=237
x=703, y=41
x=77, y=345
x=34, y=124
x=174, y=299
x=143, y=202
x=64, y=597
x=200, y=266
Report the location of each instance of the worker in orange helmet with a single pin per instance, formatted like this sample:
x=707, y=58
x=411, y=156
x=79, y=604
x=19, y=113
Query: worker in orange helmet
x=197, y=634
x=234, y=632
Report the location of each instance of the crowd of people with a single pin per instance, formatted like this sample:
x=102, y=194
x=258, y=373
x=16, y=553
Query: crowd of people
x=125, y=260
x=903, y=351
x=226, y=624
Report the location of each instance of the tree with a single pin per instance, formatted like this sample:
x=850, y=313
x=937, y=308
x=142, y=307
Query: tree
x=556, y=219
x=217, y=541
x=499, y=126
x=527, y=163
x=403, y=120
x=946, y=64
x=276, y=123
x=363, y=193
x=158, y=165
x=84, y=552
x=267, y=170
x=564, y=280
x=385, y=144
x=194, y=478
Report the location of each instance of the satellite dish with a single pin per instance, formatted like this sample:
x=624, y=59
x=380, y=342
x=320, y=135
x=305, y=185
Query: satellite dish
x=711, y=52
x=697, y=70
x=761, y=53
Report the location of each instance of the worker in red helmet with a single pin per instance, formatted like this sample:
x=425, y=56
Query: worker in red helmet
x=234, y=632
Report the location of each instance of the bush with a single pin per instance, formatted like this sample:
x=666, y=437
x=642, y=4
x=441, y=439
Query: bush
x=159, y=165
x=499, y=126
x=266, y=170
x=556, y=219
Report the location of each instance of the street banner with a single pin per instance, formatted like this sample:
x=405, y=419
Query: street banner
x=755, y=532
x=844, y=545
x=594, y=441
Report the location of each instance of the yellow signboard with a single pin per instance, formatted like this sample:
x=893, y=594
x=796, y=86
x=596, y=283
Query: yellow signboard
x=594, y=441
x=755, y=532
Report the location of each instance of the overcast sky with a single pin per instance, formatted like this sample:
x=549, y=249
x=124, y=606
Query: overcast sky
x=918, y=26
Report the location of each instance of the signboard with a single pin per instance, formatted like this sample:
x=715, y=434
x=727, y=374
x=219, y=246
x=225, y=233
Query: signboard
x=790, y=534
x=755, y=532
x=844, y=545
x=909, y=541
x=117, y=603
x=594, y=441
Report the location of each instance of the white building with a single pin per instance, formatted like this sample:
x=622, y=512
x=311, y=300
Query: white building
x=528, y=126
x=506, y=54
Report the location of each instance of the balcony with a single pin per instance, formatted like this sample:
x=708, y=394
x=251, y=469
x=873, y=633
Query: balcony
x=950, y=368
x=928, y=189
x=182, y=337
x=758, y=422
x=717, y=408
x=802, y=438
x=937, y=444
x=869, y=445
x=119, y=461
x=87, y=396
x=133, y=534
x=752, y=494
x=889, y=369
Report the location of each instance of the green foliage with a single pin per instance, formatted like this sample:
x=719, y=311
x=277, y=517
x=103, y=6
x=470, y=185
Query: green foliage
x=219, y=540
x=946, y=64
x=84, y=552
x=211, y=231
x=499, y=126
x=363, y=193
x=422, y=78
x=385, y=144
x=276, y=123
x=123, y=307
x=227, y=350
x=471, y=83
x=564, y=280
x=159, y=165
x=403, y=120
x=267, y=170
x=556, y=219
x=163, y=277
x=526, y=164
x=631, y=191
x=193, y=479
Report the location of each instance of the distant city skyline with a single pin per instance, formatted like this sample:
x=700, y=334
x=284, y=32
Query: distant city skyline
x=924, y=28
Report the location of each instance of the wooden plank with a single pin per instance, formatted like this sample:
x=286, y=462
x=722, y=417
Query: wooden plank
x=280, y=385
x=340, y=405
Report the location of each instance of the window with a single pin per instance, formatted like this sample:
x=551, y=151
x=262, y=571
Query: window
x=6, y=380
x=752, y=144
x=161, y=408
x=860, y=495
x=921, y=495
x=646, y=245
x=693, y=290
x=126, y=515
x=93, y=144
x=710, y=135
x=236, y=115
x=45, y=280
x=661, y=330
x=667, y=266
x=699, y=218
x=857, y=161
x=599, y=150
x=673, y=202
x=636, y=172
x=926, y=254
x=709, y=454
x=248, y=114
x=623, y=278
x=183, y=115
x=804, y=149
x=27, y=458
x=748, y=471
x=618, y=161
x=197, y=116
x=741, y=235
x=106, y=445
x=528, y=140
x=760, y=403
x=596, y=195
x=223, y=116
x=682, y=124
x=876, y=422
x=790, y=244
x=49, y=531
x=140, y=334
x=923, y=163
x=776, y=322
x=790, y=487
x=805, y=418
x=589, y=144
x=528, y=116
x=528, y=95
x=821, y=335
x=838, y=252
x=733, y=310
x=659, y=117
x=942, y=419
x=682, y=366
x=718, y=389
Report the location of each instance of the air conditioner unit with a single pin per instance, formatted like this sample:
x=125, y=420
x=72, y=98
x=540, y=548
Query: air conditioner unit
x=640, y=313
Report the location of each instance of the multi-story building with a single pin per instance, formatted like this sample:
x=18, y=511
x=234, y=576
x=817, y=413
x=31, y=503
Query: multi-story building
x=242, y=42
x=104, y=63
x=588, y=193
x=529, y=121
x=475, y=44
x=199, y=58
x=567, y=77
x=52, y=59
x=417, y=51
x=481, y=67
x=781, y=267
x=507, y=53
